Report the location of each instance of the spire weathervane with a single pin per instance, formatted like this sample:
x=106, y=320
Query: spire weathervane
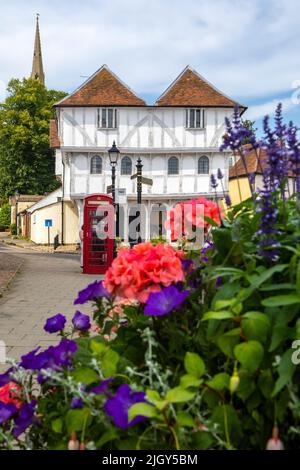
x=37, y=64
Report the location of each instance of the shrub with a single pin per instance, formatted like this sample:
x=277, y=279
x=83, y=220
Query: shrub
x=5, y=215
x=13, y=229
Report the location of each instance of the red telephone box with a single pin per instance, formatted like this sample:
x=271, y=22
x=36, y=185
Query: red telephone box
x=98, y=233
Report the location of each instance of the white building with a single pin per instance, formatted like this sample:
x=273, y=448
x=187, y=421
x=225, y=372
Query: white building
x=177, y=138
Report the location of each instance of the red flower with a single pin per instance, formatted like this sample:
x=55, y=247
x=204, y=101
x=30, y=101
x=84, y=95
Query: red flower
x=145, y=268
x=10, y=393
x=188, y=214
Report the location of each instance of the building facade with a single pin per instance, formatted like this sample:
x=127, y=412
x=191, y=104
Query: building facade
x=177, y=139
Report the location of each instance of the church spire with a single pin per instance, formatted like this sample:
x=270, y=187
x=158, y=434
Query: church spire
x=37, y=64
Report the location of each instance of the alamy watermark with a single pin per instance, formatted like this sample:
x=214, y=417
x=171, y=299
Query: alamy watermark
x=2, y=352
x=137, y=222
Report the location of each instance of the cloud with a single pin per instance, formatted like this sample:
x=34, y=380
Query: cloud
x=260, y=110
x=247, y=48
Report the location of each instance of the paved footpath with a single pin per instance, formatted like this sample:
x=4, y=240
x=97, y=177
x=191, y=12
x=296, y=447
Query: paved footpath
x=46, y=284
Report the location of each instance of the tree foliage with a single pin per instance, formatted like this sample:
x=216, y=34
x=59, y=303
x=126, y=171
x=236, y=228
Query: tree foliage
x=5, y=215
x=26, y=160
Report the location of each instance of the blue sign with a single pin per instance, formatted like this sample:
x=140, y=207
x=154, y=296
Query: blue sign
x=48, y=222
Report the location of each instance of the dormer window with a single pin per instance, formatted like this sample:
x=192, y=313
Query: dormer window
x=107, y=118
x=195, y=118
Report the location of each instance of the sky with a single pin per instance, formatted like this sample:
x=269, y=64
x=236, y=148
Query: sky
x=249, y=49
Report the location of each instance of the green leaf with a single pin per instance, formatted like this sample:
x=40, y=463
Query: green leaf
x=227, y=419
x=257, y=280
x=285, y=370
x=85, y=375
x=154, y=398
x=109, y=363
x=266, y=383
x=277, y=287
x=228, y=340
x=108, y=436
x=179, y=395
x=98, y=347
x=298, y=279
x=220, y=315
x=194, y=365
x=219, y=381
x=76, y=419
x=57, y=425
x=184, y=419
x=256, y=325
x=280, y=300
x=249, y=354
x=187, y=381
x=220, y=304
x=141, y=409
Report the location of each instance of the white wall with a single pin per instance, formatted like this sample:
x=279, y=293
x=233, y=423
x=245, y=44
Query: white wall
x=141, y=128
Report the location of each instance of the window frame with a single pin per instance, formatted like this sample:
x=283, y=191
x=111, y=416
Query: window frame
x=102, y=116
x=198, y=117
x=168, y=169
x=121, y=171
x=208, y=164
x=91, y=163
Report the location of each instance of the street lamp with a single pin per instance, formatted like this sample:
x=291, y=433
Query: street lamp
x=114, y=153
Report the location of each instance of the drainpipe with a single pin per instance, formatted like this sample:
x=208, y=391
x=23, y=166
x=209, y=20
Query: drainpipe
x=62, y=200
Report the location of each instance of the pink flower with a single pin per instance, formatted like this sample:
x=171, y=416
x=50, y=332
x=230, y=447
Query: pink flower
x=274, y=443
x=185, y=215
x=143, y=269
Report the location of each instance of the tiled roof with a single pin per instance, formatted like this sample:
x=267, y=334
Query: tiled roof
x=54, y=139
x=253, y=163
x=103, y=88
x=250, y=163
x=25, y=198
x=190, y=89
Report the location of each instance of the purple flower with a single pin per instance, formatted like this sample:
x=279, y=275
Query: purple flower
x=7, y=411
x=76, y=403
x=55, y=323
x=102, y=387
x=294, y=155
x=93, y=291
x=29, y=360
x=186, y=264
x=213, y=181
x=236, y=133
x=218, y=282
x=163, y=302
x=117, y=407
x=6, y=377
x=227, y=200
x=25, y=418
x=208, y=245
x=54, y=357
x=220, y=174
x=81, y=321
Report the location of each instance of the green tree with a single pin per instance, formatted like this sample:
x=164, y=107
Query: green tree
x=250, y=125
x=5, y=215
x=26, y=160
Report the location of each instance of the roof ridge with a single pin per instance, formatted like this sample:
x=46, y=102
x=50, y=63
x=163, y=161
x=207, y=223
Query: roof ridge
x=196, y=89
x=88, y=80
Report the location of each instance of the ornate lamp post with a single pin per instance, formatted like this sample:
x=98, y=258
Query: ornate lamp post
x=114, y=153
x=139, y=168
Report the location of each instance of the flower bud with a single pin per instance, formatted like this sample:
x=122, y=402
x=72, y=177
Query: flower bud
x=234, y=382
x=274, y=443
x=73, y=443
